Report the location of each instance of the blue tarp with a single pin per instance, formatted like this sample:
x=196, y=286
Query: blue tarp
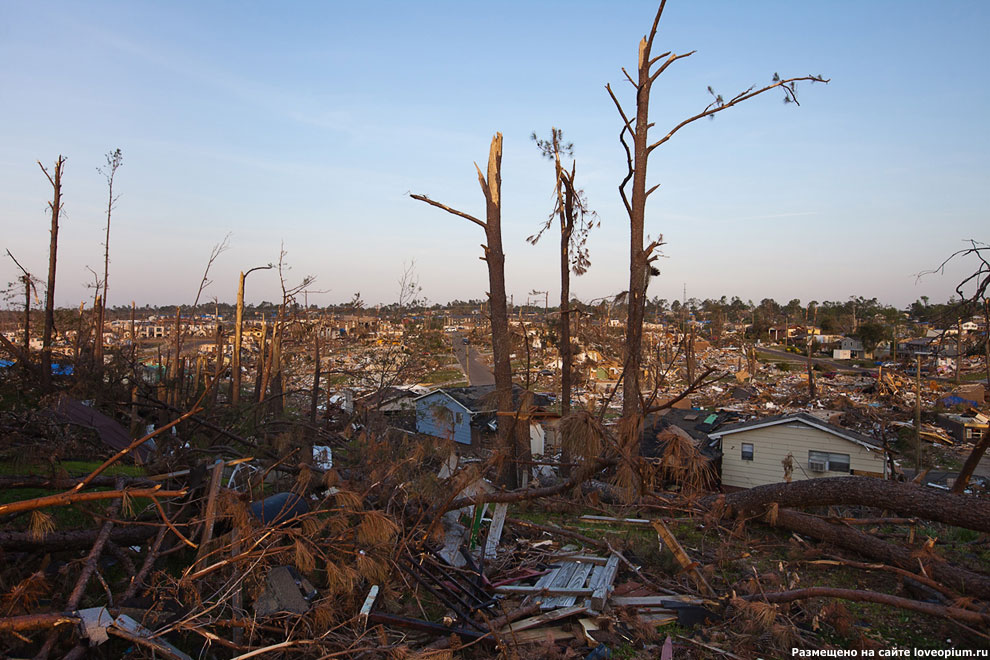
x=57, y=369
x=953, y=400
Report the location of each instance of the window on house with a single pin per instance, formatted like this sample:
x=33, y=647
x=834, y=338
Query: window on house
x=747, y=451
x=823, y=461
x=838, y=462
x=458, y=418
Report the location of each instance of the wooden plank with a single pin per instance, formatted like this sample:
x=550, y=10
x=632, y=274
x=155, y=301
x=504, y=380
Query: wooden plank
x=369, y=602
x=604, y=588
x=547, y=578
x=589, y=626
x=561, y=581
x=495, y=531
x=211, y=510
x=511, y=589
x=682, y=557
x=659, y=619
x=542, y=635
x=546, y=617
x=652, y=601
x=577, y=580
x=584, y=559
x=611, y=520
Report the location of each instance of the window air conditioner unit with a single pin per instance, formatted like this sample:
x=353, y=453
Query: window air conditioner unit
x=817, y=466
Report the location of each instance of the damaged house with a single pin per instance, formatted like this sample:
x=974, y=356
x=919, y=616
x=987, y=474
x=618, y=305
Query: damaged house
x=467, y=415
x=798, y=446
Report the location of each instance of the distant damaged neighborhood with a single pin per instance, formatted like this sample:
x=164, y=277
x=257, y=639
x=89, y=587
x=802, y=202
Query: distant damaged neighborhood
x=706, y=379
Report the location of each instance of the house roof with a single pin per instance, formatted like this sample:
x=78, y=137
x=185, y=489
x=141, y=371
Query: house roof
x=803, y=418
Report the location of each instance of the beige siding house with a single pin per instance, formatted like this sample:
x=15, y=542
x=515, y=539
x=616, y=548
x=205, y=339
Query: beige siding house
x=754, y=453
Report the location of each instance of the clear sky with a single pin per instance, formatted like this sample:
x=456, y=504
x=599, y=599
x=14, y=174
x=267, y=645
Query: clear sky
x=308, y=124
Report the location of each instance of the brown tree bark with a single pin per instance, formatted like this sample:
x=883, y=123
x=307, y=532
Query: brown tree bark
x=641, y=255
x=491, y=186
x=27, y=315
x=971, y=462
x=114, y=160
x=907, y=499
x=56, y=207
x=954, y=613
x=955, y=577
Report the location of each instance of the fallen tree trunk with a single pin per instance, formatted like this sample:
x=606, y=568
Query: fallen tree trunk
x=955, y=577
x=75, y=540
x=74, y=497
x=65, y=483
x=581, y=475
x=904, y=498
x=954, y=613
x=35, y=621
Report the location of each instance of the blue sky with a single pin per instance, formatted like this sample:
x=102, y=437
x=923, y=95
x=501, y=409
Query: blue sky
x=308, y=123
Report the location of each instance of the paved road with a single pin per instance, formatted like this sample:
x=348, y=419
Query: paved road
x=826, y=363
x=472, y=365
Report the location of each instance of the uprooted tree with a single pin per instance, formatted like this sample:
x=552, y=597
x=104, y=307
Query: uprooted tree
x=641, y=255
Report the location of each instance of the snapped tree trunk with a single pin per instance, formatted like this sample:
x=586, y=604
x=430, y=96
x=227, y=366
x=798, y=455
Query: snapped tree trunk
x=491, y=186
x=907, y=499
x=649, y=68
x=235, y=380
x=56, y=207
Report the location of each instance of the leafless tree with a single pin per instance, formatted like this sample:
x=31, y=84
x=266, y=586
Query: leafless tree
x=29, y=282
x=575, y=220
x=409, y=289
x=55, y=206
x=642, y=254
x=115, y=159
x=973, y=295
x=491, y=186
x=235, y=391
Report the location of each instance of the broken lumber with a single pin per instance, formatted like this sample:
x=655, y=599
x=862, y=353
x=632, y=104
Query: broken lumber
x=686, y=562
x=546, y=617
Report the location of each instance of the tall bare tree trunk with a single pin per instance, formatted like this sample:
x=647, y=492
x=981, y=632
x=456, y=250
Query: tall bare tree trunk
x=114, y=160
x=491, y=186
x=959, y=355
x=133, y=331
x=235, y=381
x=260, y=364
x=27, y=315
x=649, y=68
x=97, y=336
x=973, y=460
x=917, y=418
x=566, y=354
x=177, y=345
x=218, y=367
x=986, y=336
x=315, y=398
x=56, y=207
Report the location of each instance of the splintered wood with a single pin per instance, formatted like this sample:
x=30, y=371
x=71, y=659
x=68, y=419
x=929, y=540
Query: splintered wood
x=682, y=557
